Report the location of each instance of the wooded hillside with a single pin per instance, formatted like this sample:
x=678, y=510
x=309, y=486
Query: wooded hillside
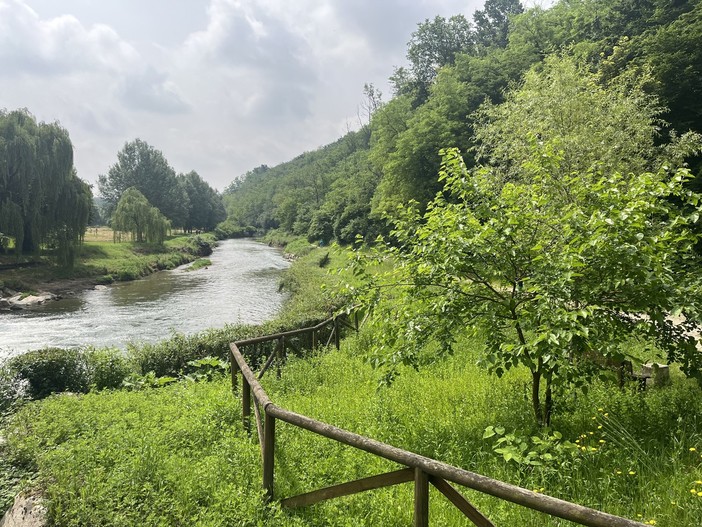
x=454, y=67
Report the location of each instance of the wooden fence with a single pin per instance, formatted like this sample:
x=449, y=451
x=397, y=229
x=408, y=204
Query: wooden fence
x=419, y=469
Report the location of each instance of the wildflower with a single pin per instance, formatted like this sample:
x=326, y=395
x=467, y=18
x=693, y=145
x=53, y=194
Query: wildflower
x=583, y=448
x=600, y=409
x=591, y=433
x=699, y=493
x=698, y=482
x=606, y=414
x=592, y=449
x=693, y=449
x=632, y=472
x=693, y=491
x=618, y=472
x=651, y=522
x=602, y=441
x=599, y=427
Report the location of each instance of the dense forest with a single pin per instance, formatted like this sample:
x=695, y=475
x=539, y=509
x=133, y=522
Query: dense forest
x=463, y=76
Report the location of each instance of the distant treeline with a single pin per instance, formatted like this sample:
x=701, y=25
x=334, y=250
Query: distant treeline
x=352, y=186
x=45, y=208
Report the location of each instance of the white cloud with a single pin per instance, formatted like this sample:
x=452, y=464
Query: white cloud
x=58, y=46
x=151, y=91
x=219, y=86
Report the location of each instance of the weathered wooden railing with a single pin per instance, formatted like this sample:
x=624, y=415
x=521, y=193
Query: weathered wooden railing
x=422, y=470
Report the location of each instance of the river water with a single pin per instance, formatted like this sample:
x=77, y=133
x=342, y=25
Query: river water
x=241, y=286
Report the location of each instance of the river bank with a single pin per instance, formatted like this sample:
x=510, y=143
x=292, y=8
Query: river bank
x=146, y=365
x=101, y=262
x=240, y=285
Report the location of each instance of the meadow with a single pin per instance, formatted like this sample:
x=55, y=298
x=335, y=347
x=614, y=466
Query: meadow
x=101, y=260
x=174, y=453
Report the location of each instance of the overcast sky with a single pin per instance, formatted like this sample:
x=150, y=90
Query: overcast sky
x=219, y=86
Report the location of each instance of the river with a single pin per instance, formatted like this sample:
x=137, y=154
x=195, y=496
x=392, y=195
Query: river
x=241, y=286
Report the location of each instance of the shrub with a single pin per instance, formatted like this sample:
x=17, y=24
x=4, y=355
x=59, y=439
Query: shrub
x=199, y=245
x=12, y=389
x=51, y=370
x=106, y=368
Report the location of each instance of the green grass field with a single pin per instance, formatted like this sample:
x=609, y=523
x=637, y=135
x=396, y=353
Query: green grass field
x=102, y=260
x=177, y=455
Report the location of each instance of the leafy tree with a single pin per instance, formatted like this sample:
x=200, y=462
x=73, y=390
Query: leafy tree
x=674, y=53
x=42, y=201
x=136, y=216
x=492, y=22
x=205, y=207
x=609, y=128
x=288, y=195
x=556, y=272
x=434, y=44
x=406, y=143
x=574, y=239
x=141, y=166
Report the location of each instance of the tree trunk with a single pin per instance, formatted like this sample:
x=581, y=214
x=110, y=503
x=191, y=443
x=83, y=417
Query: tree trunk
x=548, y=404
x=535, y=396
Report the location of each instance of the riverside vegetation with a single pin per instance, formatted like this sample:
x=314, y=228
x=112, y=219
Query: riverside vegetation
x=102, y=261
x=168, y=448
x=571, y=211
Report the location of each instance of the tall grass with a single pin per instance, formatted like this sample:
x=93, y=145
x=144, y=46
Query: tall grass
x=177, y=455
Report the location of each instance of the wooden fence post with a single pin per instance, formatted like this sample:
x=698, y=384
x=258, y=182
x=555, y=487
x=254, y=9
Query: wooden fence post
x=421, y=498
x=268, y=455
x=246, y=405
x=337, y=337
x=234, y=370
x=279, y=353
x=314, y=339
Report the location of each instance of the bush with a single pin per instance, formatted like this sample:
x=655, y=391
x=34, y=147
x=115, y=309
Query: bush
x=229, y=230
x=199, y=245
x=106, y=368
x=51, y=370
x=12, y=390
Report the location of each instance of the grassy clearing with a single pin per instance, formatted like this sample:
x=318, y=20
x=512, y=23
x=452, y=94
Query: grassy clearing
x=176, y=455
x=104, y=261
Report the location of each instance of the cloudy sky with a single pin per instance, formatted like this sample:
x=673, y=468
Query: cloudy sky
x=219, y=86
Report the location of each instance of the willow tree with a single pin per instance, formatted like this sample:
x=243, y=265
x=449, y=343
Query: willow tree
x=42, y=201
x=136, y=216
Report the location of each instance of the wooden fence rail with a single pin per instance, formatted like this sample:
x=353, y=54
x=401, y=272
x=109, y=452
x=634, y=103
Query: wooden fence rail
x=421, y=470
